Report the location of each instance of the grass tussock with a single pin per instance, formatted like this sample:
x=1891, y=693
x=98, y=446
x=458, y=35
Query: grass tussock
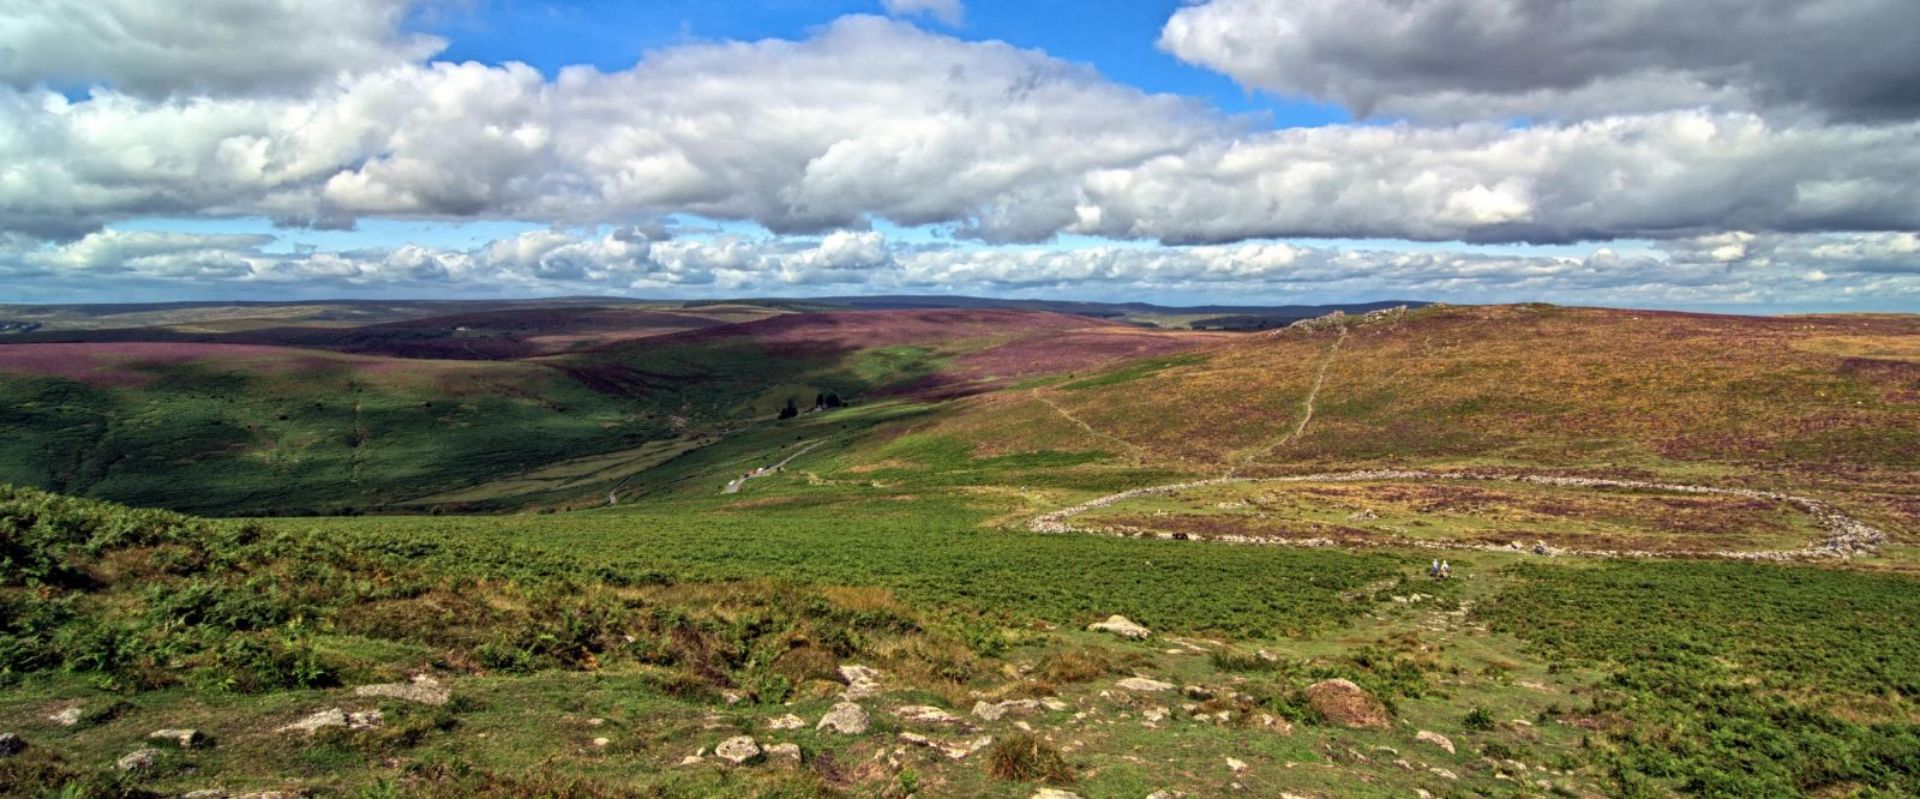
x=1024, y=757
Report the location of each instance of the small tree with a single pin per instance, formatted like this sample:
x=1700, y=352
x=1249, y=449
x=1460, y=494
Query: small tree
x=790, y=411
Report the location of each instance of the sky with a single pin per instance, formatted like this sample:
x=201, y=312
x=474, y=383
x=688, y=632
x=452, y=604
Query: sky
x=1753, y=155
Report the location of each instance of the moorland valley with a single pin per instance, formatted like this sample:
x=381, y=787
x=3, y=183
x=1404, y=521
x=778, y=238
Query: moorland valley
x=906, y=546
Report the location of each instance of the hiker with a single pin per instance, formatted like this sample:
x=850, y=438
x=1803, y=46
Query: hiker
x=1446, y=570
x=1434, y=569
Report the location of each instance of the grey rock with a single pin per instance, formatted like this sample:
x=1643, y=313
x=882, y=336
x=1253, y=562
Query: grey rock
x=335, y=717
x=1121, y=626
x=926, y=714
x=1144, y=685
x=845, y=718
x=738, y=750
x=138, y=760
x=862, y=682
x=423, y=689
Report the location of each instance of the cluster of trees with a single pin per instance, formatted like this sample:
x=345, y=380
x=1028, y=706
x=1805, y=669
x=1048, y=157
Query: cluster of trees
x=821, y=402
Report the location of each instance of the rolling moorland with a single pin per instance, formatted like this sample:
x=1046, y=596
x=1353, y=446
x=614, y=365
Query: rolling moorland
x=491, y=551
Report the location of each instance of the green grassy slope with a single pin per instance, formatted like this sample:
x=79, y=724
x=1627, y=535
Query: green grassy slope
x=272, y=430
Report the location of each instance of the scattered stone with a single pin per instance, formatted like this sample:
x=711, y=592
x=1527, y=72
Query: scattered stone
x=423, y=689
x=926, y=714
x=66, y=717
x=1167, y=795
x=1156, y=713
x=785, y=752
x=335, y=717
x=601, y=743
x=595, y=722
x=274, y=795
x=1053, y=793
x=954, y=750
x=1436, y=739
x=1144, y=685
x=1236, y=765
x=1443, y=773
x=862, y=682
x=1121, y=626
x=993, y=711
x=1275, y=723
x=183, y=738
x=738, y=750
x=732, y=697
x=1199, y=692
x=1422, y=793
x=692, y=760
x=845, y=718
x=787, y=722
x=205, y=793
x=1346, y=704
x=11, y=745
x=138, y=760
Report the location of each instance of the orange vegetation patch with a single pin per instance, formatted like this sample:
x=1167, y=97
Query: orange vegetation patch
x=1527, y=383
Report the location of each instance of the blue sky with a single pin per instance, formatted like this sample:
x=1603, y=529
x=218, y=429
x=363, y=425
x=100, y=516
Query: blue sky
x=1114, y=36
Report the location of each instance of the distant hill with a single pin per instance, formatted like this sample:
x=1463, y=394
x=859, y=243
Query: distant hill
x=493, y=407
x=1198, y=317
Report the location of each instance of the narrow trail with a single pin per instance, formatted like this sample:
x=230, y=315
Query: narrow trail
x=1306, y=406
x=1131, y=447
x=1845, y=535
x=358, y=456
x=734, y=485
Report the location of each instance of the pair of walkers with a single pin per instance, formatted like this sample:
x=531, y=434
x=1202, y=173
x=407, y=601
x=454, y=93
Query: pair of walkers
x=1440, y=570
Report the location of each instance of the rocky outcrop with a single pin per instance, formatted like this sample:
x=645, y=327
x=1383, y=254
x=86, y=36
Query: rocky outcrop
x=926, y=714
x=862, y=682
x=1346, y=704
x=1844, y=536
x=994, y=711
x=738, y=750
x=138, y=760
x=953, y=750
x=423, y=689
x=1144, y=685
x=1121, y=626
x=845, y=718
x=335, y=717
x=1436, y=739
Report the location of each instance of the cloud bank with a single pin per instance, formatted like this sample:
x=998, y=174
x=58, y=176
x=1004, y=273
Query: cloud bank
x=1474, y=59
x=1783, y=123
x=1861, y=270
x=877, y=119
